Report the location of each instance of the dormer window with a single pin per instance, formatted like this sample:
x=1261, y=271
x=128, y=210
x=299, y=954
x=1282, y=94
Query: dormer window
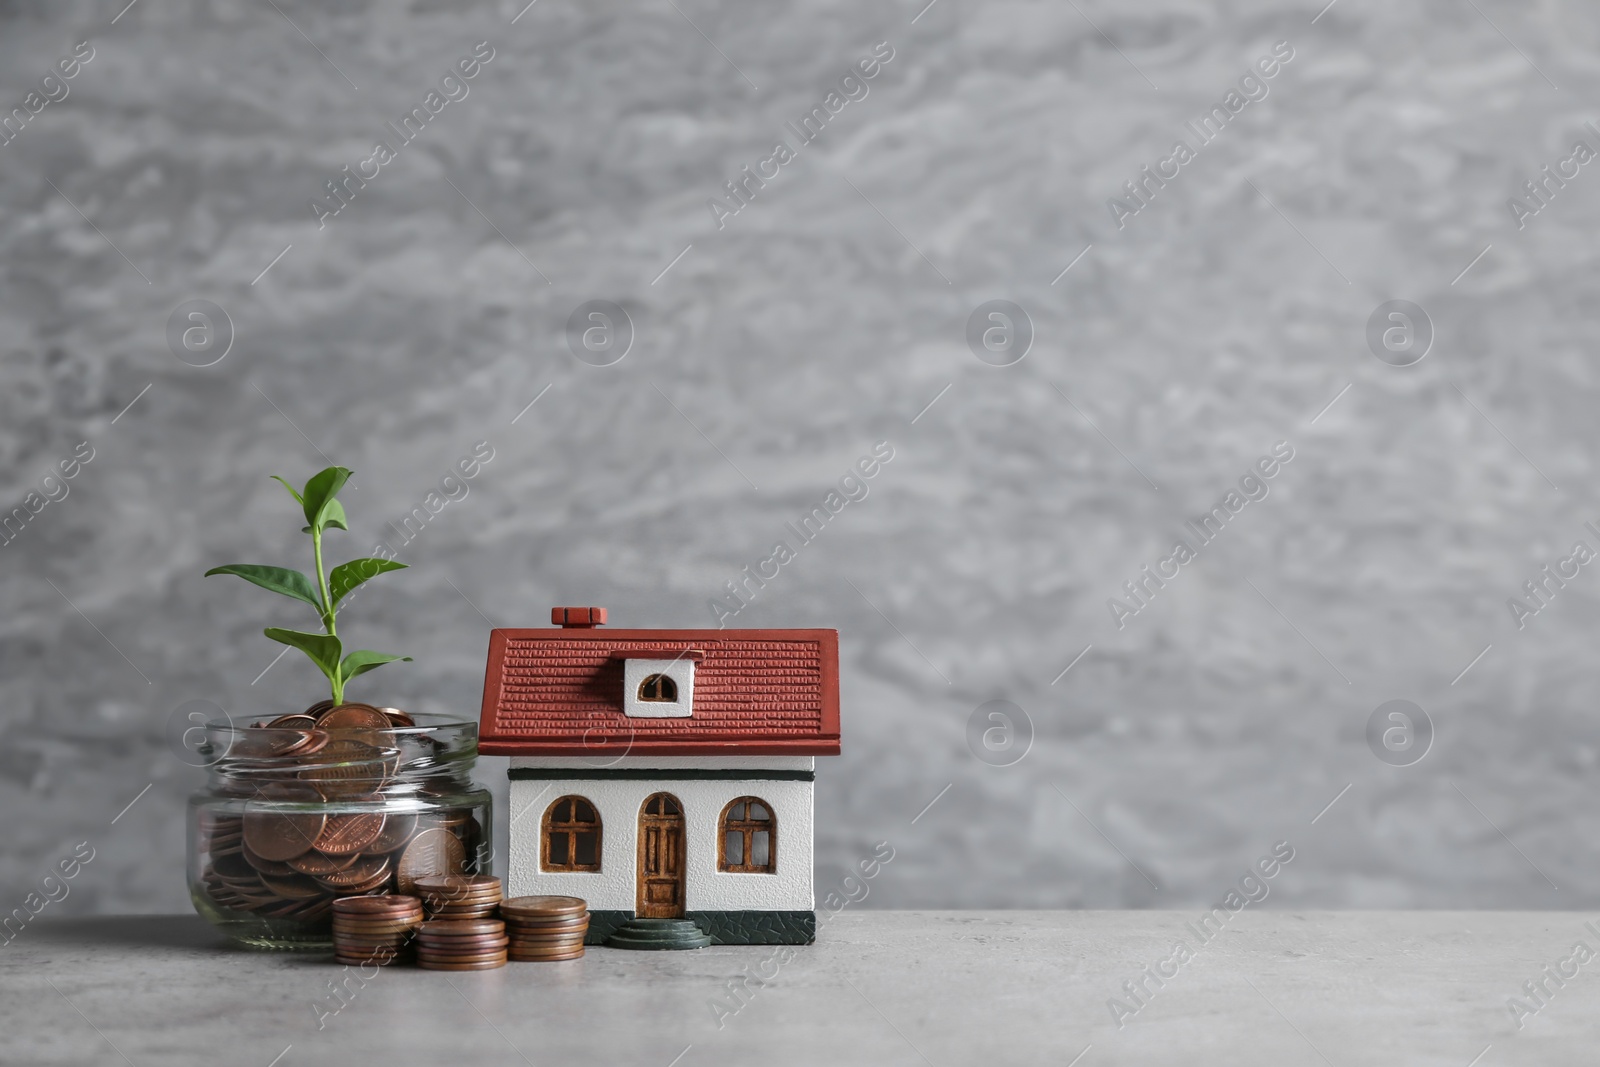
x=658, y=685
x=658, y=688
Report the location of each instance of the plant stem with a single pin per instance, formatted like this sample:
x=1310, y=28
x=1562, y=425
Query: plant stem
x=328, y=614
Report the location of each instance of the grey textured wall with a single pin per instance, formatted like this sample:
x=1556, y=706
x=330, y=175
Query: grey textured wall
x=1222, y=317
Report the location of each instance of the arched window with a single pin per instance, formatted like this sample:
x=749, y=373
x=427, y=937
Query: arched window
x=748, y=843
x=659, y=688
x=571, y=836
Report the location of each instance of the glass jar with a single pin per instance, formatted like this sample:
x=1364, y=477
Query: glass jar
x=294, y=816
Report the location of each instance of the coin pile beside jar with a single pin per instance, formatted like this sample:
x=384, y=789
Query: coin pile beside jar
x=465, y=937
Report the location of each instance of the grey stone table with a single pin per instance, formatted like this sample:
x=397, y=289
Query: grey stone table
x=941, y=988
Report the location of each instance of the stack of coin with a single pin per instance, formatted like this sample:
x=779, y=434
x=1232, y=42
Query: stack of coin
x=459, y=896
x=310, y=826
x=461, y=944
x=374, y=929
x=545, y=928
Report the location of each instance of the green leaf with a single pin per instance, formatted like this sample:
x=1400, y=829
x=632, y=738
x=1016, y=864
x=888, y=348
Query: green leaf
x=318, y=499
x=298, y=499
x=278, y=579
x=347, y=576
x=324, y=649
x=333, y=515
x=364, y=660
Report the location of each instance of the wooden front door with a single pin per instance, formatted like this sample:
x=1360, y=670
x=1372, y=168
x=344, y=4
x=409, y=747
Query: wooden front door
x=661, y=858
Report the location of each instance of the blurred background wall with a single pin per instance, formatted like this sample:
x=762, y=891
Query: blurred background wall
x=1176, y=337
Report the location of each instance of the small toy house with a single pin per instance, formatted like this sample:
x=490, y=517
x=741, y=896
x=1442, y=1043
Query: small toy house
x=664, y=774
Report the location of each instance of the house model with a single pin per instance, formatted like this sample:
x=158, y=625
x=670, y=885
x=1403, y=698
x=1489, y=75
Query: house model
x=664, y=776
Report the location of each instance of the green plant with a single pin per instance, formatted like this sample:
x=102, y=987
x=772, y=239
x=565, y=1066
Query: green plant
x=323, y=511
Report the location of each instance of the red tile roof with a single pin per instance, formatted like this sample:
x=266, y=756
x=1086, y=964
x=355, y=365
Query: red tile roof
x=558, y=692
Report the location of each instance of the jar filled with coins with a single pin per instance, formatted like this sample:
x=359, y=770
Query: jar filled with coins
x=336, y=801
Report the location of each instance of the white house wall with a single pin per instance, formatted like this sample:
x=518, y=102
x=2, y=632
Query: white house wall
x=682, y=763
x=619, y=801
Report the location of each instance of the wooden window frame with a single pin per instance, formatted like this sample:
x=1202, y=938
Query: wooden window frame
x=747, y=828
x=663, y=681
x=572, y=829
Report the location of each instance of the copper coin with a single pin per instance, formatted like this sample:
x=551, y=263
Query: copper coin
x=363, y=870
x=352, y=945
x=234, y=869
x=568, y=930
x=438, y=902
x=277, y=834
x=450, y=901
x=363, y=717
x=526, y=957
x=298, y=720
x=564, y=935
x=461, y=946
x=377, y=937
x=226, y=846
x=460, y=915
x=486, y=912
x=345, y=835
x=541, y=937
x=564, y=922
x=544, y=907
x=265, y=866
x=372, y=952
x=427, y=937
x=447, y=898
x=377, y=905
x=315, y=741
x=380, y=881
x=347, y=768
x=464, y=927
x=431, y=852
x=345, y=914
x=461, y=909
x=487, y=965
x=397, y=830
x=397, y=921
x=474, y=943
x=261, y=743
x=373, y=930
x=245, y=883
x=213, y=823
x=292, y=887
x=398, y=718
x=499, y=955
x=462, y=951
x=319, y=707
x=463, y=884
x=317, y=909
x=316, y=863
x=342, y=943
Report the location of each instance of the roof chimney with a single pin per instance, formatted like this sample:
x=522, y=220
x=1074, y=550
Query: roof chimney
x=578, y=618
